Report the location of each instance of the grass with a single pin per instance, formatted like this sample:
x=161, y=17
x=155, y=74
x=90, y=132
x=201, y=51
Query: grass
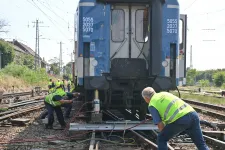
x=201, y=98
x=211, y=88
x=22, y=78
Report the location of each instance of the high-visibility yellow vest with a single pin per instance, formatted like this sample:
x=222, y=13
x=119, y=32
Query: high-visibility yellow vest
x=60, y=91
x=57, y=84
x=169, y=106
x=49, y=98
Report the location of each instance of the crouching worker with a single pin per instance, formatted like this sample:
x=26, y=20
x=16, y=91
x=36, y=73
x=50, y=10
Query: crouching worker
x=173, y=116
x=53, y=102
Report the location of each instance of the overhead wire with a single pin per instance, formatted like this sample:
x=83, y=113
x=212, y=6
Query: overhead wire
x=48, y=17
x=53, y=4
x=50, y=9
x=190, y=5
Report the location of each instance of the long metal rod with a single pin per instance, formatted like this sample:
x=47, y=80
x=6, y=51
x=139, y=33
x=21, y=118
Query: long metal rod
x=145, y=139
x=168, y=145
x=97, y=146
x=92, y=142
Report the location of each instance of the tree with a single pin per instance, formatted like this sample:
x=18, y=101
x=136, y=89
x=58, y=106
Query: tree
x=25, y=59
x=204, y=83
x=54, y=65
x=219, y=78
x=191, y=75
x=7, y=52
x=3, y=24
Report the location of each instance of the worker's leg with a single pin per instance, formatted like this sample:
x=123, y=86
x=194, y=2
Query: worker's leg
x=44, y=114
x=172, y=130
x=195, y=132
x=50, y=115
x=68, y=87
x=59, y=115
x=68, y=108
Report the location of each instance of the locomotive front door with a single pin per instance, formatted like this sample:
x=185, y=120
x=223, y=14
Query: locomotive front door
x=129, y=31
x=182, y=48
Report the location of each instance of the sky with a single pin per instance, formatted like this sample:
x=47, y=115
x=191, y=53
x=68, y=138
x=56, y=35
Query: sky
x=57, y=24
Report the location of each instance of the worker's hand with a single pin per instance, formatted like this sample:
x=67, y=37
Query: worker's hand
x=161, y=126
x=70, y=101
x=76, y=94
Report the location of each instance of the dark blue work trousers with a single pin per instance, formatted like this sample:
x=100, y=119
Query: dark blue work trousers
x=67, y=107
x=58, y=112
x=189, y=124
x=68, y=88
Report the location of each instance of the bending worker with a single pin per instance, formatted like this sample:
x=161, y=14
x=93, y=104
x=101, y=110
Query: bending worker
x=54, y=102
x=173, y=116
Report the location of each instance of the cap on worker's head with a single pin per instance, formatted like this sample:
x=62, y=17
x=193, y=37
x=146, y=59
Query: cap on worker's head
x=148, y=92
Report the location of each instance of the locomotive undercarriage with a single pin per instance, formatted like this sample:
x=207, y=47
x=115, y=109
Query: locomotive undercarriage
x=119, y=90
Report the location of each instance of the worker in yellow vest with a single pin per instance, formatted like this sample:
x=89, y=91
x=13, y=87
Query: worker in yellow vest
x=173, y=116
x=51, y=86
x=54, y=102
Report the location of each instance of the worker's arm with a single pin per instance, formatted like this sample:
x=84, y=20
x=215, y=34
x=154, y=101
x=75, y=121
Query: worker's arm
x=61, y=99
x=65, y=101
x=160, y=126
x=156, y=117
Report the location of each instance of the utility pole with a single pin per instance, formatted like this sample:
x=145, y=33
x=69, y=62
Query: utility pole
x=37, y=45
x=191, y=63
x=60, y=58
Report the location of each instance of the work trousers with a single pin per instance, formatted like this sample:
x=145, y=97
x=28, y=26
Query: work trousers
x=68, y=88
x=58, y=112
x=189, y=124
x=67, y=108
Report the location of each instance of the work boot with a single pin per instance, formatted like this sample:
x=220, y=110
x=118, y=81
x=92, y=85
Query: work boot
x=60, y=128
x=67, y=117
x=48, y=126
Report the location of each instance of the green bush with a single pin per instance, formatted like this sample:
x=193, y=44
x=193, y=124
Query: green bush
x=8, y=53
x=28, y=75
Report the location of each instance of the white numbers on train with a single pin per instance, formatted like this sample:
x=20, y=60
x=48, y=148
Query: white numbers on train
x=88, y=23
x=171, y=26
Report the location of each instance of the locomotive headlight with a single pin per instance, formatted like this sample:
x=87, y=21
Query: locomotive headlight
x=165, y=63
x=94, y=62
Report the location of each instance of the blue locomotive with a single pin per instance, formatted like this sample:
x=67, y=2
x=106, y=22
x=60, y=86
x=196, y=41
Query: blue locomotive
x=124, y=46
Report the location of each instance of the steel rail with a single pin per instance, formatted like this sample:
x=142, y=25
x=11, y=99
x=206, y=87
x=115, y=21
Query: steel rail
x=22, y=111
x=8, y=95
x=214, y=142
x=24, y=103
x=217, y=107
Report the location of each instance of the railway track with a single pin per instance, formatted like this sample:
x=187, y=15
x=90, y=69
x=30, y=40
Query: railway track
x=9, y=95
x=12, y=110
x=144, y=140
x=209, y=109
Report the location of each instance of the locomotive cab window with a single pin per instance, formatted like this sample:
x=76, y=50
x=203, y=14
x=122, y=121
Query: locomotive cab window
x=118, y=25
x=141, y=25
